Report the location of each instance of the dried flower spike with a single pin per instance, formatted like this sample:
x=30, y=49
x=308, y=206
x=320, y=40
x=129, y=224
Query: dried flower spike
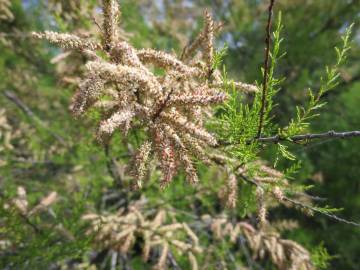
x=169, y=108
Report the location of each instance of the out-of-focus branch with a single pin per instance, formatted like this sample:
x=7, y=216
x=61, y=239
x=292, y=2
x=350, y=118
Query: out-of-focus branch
x=24, y=108
x=25, y=218
x=334, y=21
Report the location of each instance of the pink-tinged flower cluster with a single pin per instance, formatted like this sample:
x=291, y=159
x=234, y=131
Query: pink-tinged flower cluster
x=169, y=107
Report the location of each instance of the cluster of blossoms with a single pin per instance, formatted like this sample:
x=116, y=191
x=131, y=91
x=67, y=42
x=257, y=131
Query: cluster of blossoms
x=121, y=231
x=5, y=12
x=170, y=107
x=285, y=254
x=162, y=235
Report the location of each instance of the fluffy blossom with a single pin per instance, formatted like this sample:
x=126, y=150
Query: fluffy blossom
x=168, y=107
x=121, y=231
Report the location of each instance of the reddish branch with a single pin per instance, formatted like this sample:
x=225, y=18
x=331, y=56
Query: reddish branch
x=299, y=138
x=310, y=136
x=266, y=67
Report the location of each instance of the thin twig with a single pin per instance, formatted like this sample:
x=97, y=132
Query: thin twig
x=266, y=67
x=305, y=206
x=25, y=109
x=125, y=262
x=172, y=261
x=22, y=106
x=251, y=263
x=162, y=106
x=310, y=136
x=332, y=216
x=331, y=134
x=312, y=197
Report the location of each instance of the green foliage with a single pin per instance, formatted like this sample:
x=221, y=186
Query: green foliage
x=239, y=120
x=321, y=257
x=327, y=83
x=78, y=170
x=67, y=241
x=219, y=57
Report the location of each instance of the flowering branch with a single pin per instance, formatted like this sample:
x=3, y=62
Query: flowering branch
x=171, y=107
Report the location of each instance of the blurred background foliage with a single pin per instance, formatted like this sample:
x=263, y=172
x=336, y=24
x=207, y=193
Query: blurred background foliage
x=43, y=148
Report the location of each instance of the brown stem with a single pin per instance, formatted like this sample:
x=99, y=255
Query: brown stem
x=310, y=136
x=266, y=68
x=162, y=106
x=304, y=206
x=314, y=209
x=298, y=138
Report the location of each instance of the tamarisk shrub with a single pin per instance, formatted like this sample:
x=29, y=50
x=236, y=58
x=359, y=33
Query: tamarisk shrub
x=169, y=97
